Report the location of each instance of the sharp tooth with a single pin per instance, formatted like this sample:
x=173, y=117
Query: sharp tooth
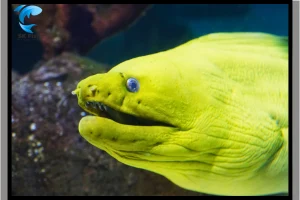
x=99, y=106
x=102, y=107
x=87, y=104
x=105, y=108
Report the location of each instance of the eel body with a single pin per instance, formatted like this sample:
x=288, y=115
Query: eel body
x=210, y=115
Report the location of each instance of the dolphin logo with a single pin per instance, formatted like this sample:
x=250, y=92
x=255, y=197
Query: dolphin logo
x=27, y=11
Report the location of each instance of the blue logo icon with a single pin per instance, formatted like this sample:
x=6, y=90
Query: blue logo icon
x=33, y=10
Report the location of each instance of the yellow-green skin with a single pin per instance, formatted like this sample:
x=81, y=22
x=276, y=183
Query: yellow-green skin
x=226, y=94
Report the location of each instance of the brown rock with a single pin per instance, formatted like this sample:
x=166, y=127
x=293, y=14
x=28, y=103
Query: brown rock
x=78, y=27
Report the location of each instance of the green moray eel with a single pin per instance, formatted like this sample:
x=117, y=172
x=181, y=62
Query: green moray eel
x=210, y=115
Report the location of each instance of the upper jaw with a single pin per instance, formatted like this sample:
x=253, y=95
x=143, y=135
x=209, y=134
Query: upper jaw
x=96, y=95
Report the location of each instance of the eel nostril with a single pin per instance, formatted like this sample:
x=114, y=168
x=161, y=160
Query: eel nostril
x=93, y=89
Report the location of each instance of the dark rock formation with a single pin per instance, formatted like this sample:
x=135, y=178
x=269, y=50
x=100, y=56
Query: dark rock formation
x=78, y=27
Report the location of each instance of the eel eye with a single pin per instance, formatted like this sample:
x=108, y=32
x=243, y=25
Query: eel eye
x=132, y=85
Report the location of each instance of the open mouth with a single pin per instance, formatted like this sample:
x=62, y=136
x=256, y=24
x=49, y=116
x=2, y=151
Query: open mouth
x=102, y=110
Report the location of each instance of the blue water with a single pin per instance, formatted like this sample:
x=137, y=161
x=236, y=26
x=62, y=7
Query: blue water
x=166, y=26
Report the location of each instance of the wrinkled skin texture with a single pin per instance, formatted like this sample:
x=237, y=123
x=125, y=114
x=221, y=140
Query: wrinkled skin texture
x=224, y=98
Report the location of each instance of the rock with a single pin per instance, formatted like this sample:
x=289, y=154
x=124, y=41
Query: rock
x=78, y=27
